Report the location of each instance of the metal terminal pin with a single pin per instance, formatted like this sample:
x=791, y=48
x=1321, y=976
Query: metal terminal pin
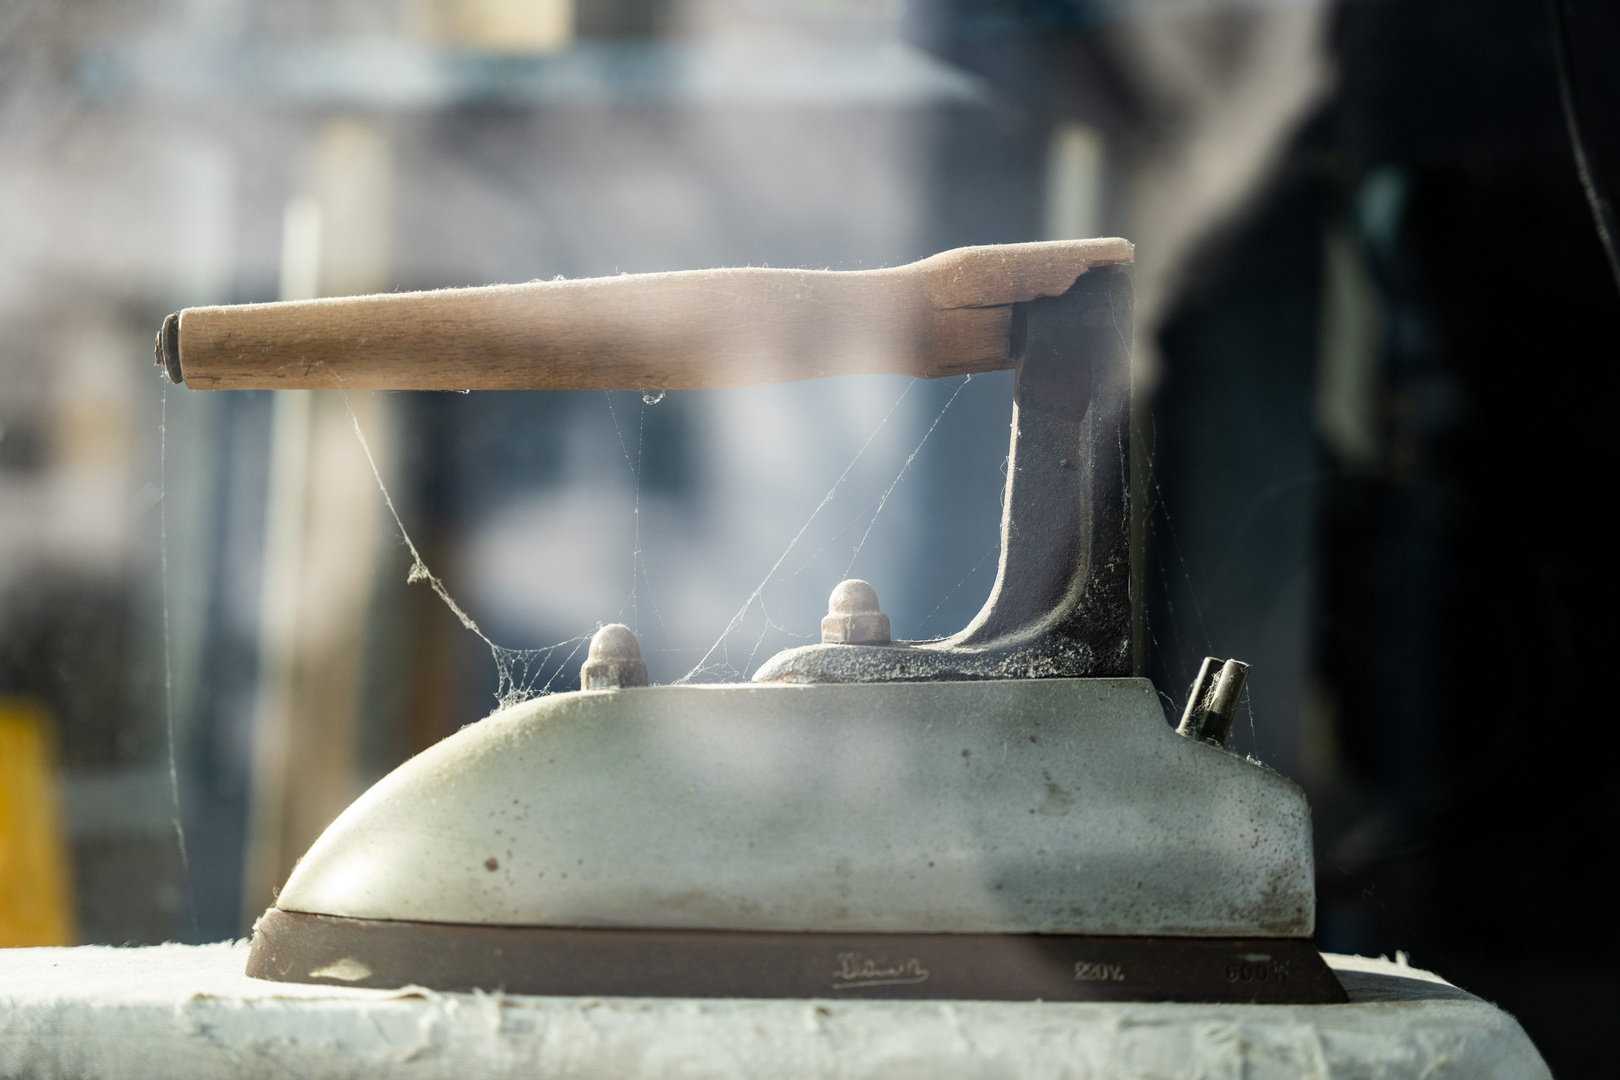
x=614, y=660
x=853, y=617
x=1213, y=700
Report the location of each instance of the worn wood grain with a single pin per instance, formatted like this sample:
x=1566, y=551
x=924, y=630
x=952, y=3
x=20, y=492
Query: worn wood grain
x=946, y=315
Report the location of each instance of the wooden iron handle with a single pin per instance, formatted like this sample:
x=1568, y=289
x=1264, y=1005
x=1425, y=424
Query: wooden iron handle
x=945, y=315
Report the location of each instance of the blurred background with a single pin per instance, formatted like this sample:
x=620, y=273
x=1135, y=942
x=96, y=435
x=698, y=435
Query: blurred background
x=1376, y=371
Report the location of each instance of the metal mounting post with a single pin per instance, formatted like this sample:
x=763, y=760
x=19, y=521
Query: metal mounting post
x=1061, y=604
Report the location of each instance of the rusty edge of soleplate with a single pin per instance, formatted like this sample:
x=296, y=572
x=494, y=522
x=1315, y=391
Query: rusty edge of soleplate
x=297, y=947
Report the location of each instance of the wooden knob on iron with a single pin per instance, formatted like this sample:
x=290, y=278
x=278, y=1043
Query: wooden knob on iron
x=614, y=660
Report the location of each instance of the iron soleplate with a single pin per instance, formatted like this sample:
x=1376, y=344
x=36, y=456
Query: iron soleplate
x=297, y=947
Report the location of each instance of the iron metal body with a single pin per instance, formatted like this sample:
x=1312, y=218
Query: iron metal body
x=1003, y=813
x=878, y=808
x=933, y=832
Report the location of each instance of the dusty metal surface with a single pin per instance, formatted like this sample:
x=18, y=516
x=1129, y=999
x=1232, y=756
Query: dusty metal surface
x=1059, y=806
x=291, y=947
x=1060, y=606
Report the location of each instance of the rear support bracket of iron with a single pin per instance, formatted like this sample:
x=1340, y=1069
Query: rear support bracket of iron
x=1061, y=603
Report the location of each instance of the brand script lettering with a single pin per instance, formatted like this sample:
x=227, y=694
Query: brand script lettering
x=856, y=970
x=1086, y=971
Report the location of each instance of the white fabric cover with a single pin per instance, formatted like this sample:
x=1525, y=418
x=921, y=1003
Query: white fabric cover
x=175, y=1011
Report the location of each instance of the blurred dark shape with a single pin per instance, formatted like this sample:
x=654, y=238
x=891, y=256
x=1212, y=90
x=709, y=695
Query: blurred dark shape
x=621, y=18
x=22, y=445
x=1454, y=548
x=68, y=642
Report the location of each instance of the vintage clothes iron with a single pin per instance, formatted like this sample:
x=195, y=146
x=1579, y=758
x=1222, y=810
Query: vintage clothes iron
x=1002, y=813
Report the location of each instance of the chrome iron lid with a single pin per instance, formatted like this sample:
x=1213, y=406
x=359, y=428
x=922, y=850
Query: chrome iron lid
x=1055, y=806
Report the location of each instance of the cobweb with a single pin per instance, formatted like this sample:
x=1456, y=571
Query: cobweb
x=639, y=578
x=168, y=659
x=1156, y=511
x=716, y=660
x=523, y=674
x=518, y=671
